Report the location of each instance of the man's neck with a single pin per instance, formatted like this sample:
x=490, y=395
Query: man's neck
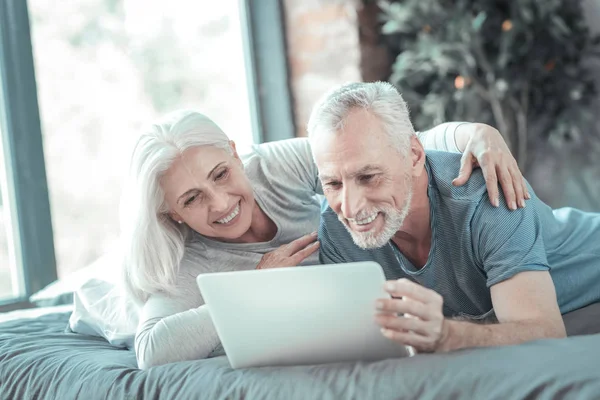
x=414, y=237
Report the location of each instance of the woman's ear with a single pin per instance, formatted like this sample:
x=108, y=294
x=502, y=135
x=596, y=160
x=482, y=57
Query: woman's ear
x=175, y=217
x=235, y=153
x=233, y=149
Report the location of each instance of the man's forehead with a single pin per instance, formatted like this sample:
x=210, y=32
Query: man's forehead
x=349, y=169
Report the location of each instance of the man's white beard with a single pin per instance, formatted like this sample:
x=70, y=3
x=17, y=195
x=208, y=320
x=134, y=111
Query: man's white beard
x=393, y=220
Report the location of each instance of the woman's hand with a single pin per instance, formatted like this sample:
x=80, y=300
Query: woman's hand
x=487, y=149
x=291, y=254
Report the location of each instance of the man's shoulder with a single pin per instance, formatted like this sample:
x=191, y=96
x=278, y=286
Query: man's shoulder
x=444, y=168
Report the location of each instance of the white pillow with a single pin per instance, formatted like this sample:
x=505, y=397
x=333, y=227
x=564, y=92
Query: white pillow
x=60, y=292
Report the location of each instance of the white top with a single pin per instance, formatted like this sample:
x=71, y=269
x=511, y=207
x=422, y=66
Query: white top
x=285, y=184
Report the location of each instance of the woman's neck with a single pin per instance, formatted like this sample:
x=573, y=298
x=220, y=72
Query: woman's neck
x=262, y=228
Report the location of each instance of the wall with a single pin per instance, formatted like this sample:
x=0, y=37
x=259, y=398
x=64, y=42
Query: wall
x=331, y=42
x=323, y=50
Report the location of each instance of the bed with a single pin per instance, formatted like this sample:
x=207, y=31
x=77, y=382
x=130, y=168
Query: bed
x=39, y=359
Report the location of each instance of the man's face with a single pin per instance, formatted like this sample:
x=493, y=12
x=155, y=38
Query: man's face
x=366, y=181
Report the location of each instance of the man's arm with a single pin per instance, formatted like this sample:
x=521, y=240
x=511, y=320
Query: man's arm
x=525, y=306
x=510, y=248
x=526, y=309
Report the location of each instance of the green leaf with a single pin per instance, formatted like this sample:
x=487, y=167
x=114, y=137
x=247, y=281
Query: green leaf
x=478, y=21
x=390, y=27
x=527, y=14
x=560, y=25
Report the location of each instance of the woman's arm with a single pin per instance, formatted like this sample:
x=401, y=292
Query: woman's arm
x=169, y=332
x=483, y=146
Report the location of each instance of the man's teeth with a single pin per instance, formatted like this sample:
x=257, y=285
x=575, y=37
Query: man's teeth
x=231, y=216
x=367, y=220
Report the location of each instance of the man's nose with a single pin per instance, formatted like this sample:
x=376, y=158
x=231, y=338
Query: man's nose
x=352, y=202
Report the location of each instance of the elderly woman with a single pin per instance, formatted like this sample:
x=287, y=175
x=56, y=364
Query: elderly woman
x=193, y=205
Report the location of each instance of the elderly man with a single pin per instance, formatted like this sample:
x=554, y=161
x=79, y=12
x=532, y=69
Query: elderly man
x=451, y=257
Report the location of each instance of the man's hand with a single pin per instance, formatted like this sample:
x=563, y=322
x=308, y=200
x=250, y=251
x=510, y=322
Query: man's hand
x=486, y=148
x=422, y=324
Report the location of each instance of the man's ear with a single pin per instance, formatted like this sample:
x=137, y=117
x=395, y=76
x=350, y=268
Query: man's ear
x=417, y=154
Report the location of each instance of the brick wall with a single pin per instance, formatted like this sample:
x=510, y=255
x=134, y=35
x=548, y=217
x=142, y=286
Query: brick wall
x=323, y=50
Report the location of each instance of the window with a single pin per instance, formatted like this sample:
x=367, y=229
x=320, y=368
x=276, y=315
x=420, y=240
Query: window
x=115, y=67
x=104, y=69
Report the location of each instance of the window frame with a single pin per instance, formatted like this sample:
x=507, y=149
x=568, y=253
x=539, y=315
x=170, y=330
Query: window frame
x=267, y=69
x=26, y=183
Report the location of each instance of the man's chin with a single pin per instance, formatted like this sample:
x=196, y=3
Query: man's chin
x=369, y=242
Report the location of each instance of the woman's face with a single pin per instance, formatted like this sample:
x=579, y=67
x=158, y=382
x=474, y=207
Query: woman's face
x=207, y=189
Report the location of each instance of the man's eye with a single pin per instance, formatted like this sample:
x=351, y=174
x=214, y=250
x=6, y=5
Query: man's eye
x=333, y=185
x=366, y=178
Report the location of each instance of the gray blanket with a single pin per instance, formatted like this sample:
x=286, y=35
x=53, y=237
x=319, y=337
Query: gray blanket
x=38, y=360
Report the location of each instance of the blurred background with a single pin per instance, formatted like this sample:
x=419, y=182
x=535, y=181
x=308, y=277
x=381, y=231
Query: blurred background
x=106, y=68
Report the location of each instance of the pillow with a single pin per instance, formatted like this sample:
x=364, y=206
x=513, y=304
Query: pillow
x=60, y=292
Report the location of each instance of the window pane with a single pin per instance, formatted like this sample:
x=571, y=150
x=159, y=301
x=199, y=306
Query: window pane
x=114, y=67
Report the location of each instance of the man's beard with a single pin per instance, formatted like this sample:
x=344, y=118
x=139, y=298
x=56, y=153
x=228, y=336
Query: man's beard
x=393, y=220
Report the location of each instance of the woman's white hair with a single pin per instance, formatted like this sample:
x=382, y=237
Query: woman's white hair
x=381, y=99
x=153, y=243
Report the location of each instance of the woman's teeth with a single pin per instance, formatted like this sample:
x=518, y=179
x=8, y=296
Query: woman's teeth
x=231, y=216
x=367, y=220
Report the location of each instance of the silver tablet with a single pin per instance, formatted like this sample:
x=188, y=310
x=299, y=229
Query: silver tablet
x=299, y=315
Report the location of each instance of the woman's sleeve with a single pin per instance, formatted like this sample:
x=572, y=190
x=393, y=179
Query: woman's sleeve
x=441, y=137
x=171, y=331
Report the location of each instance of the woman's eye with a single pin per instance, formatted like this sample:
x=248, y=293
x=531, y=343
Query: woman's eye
x=221, y=175
x=190, y=200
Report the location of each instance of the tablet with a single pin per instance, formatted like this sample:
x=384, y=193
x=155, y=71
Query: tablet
x=299, y=315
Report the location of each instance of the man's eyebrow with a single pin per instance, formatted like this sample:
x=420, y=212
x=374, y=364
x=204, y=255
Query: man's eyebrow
x=362, y=171
x=367, y=169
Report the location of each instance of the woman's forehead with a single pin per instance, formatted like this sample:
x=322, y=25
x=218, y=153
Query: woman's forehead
x=194, y=163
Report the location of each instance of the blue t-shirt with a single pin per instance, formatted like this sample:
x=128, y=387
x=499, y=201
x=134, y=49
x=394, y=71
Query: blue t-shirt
x=475, y=245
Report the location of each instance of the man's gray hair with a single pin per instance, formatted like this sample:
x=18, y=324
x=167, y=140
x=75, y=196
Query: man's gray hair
x=381, y=99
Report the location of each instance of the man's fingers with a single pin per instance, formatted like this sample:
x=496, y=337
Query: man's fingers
x=405, y=305
x=403, y=324
x=296, y=245
x=305, y=252
x=414, y=291
x=466, y=168
x=410, y=338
